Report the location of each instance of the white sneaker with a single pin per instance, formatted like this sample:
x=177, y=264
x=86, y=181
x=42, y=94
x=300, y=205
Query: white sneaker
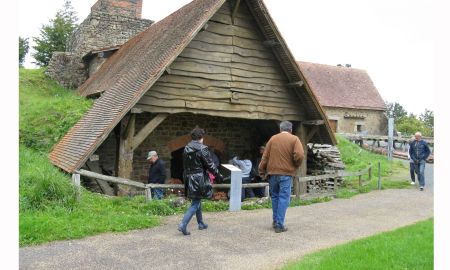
x=421, y=188
x=413, y=183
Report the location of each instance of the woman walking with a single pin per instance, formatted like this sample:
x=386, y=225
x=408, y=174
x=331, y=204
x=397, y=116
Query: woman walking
x=197, y=162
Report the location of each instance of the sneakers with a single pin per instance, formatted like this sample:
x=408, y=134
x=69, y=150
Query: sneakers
x=202, y=226
x=421, y=188
x=279, y=229
x=413, y=183
x=274, y=225
x=183, y=229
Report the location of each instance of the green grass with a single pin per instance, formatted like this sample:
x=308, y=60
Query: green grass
x=46, y=110
x=394, y=174
x=92, y=215
x=409, y=247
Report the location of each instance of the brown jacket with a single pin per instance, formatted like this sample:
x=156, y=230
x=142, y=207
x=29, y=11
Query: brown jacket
x=282, y=156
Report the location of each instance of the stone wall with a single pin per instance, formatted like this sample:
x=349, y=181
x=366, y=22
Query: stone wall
x=373, y=122
x=129, y=8
x=110, y=23
x=238, y=135
x=67, y=69
x=101, y=30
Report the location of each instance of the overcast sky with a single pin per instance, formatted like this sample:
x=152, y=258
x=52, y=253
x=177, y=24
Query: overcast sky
x=392, y=40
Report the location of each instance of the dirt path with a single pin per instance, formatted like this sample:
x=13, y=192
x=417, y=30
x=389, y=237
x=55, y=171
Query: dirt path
x=242, y=240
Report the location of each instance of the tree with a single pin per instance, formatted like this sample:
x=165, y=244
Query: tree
x=410, y=124
x=23, y=49
x=395, y=110
x=427, y=118
x=53, y=36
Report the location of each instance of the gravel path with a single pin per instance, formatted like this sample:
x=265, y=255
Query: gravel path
x=242, y=240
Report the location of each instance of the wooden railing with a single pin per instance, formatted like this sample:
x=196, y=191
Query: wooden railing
x=148, y=187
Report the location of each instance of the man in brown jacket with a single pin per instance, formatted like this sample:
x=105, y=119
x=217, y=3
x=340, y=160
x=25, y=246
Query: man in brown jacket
x=280, y=161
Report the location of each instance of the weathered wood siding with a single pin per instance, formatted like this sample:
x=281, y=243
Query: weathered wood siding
x=225, y=71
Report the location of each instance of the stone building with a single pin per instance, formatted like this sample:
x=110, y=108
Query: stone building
x=110, y=24
x=349, y=97
x=218, y=64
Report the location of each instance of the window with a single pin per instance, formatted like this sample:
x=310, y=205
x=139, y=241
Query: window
x=359, y=128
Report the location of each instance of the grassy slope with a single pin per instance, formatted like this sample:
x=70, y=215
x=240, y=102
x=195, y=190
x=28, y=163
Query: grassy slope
x=409, y=247
x=393, y=173
x=48, y=209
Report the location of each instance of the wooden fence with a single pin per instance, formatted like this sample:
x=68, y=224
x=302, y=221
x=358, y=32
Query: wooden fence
x=148, y=187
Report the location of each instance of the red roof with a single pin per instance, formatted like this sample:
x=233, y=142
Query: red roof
x=342, y=87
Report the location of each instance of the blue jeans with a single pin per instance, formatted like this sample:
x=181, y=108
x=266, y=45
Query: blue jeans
x=412, y=171
x=157, y=193
x=280, y=190
x=420, y=170
x=196, y=208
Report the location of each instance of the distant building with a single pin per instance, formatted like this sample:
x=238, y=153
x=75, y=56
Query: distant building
x=110, y=24
x=350, y=99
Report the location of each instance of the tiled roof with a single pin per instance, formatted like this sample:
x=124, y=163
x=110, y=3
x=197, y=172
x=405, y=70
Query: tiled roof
x=343, y=87
x=126, y=76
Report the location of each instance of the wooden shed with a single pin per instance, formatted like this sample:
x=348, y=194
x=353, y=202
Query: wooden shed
x=221, y=65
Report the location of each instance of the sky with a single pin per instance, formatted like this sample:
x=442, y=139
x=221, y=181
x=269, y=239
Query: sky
x=392, y=40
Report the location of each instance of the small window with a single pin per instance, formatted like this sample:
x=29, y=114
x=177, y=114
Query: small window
x=359, y=128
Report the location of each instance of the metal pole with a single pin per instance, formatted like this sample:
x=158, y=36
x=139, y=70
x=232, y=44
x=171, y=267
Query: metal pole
x=379, y=175
x=390, y=138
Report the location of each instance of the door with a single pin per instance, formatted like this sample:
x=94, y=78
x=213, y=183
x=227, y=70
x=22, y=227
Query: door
x=333, y=125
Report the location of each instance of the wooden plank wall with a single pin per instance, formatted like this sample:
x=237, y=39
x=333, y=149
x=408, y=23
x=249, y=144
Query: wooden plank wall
x=225, y=71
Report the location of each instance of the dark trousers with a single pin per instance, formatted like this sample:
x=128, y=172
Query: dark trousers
x=246, y=192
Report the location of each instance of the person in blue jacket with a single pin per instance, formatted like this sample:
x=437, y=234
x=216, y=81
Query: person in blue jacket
x=419, y=152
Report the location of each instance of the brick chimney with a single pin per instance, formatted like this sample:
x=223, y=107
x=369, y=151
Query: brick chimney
x=127, y=8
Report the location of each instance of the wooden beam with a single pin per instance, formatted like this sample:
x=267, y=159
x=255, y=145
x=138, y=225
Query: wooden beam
x=271, y=43
x=313, y=122
x=136, y=110
x=147, y=129
x=311, y=133
x=295, y=84
x=117, y=180
x=235, y=9
x=125, y=163
x=301, y=186
x=127, y=126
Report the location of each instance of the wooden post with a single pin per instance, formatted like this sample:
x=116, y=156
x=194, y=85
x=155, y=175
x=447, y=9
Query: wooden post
x=148, y=194
x=360, y=180
x=76, y=183
x=266, y=191
x=370, y=171
x=379, y=175
x=300, y=187
x=125, y=164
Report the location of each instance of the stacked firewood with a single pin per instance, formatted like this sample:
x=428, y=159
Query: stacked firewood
x=323, y=159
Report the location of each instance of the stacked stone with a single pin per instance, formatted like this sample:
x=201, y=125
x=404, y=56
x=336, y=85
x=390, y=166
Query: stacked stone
x=111, y=23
